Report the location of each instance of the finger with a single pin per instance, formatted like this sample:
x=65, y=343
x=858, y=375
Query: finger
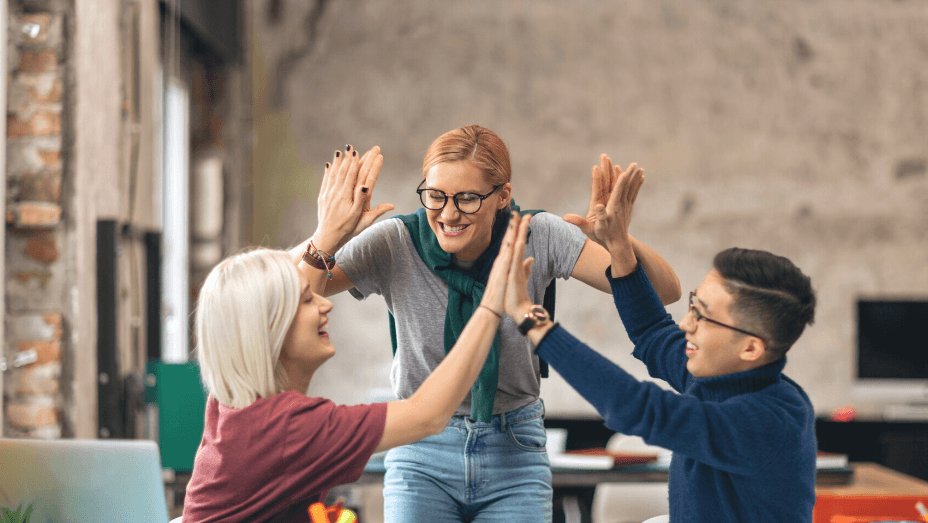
x=366, y=164
x=636, y=184
x=606, y=165
x=619, y=191
x=326, y=178
x=353, y=168
x=527, y=267
x=522, y=235
x=596, y=189
x=579, y=221
x=336, y=171
x=501, y=265
x=374, y=163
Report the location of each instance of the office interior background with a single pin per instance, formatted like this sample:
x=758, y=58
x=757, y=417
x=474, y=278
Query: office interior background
x=145, y=140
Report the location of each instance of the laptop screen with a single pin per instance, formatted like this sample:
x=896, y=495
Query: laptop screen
x=83, y=480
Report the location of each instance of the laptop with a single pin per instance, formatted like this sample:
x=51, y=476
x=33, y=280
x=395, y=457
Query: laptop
x=78, y=481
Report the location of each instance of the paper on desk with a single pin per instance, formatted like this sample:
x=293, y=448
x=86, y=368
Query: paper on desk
x=578, y=461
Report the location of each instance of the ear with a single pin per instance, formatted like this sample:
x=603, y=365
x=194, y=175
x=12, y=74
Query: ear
x=754, y=350
x=505, y=192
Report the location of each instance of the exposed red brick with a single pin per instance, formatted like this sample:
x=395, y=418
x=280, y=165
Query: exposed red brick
x=53, y=95
x=39, y=379
x=53, y=319
x=42, y=248
x=47, y=350
x=41, y=186
x=42, y=123
x=32, y=415
x=50, y=157
x=35, y=214
x=38, y=61
x=25, y=276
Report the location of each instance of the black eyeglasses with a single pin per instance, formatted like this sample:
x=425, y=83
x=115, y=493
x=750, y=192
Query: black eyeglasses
x=699, y=316
x=466, y=202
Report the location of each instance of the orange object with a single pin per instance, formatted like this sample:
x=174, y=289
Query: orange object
x=319, y=513
x=865, y=509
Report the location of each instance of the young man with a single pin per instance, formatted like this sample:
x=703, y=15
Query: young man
x=742, y=433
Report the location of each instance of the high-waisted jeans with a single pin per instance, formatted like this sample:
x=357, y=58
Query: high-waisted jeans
x=496, y=471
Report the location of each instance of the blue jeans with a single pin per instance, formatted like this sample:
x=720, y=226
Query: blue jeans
x=474, y=471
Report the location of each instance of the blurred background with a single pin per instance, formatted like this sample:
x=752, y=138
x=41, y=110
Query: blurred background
x=145, y=140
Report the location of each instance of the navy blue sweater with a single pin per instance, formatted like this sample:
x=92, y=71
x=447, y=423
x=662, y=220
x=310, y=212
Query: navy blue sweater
x=743, y=444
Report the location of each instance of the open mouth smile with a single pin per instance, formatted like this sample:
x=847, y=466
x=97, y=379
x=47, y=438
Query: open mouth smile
x=453, y=230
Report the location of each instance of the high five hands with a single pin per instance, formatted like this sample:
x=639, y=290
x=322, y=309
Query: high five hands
x=612, y=197
x=344, y=204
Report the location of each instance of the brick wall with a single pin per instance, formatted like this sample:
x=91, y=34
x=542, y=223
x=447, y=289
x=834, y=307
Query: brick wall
x=34, y=279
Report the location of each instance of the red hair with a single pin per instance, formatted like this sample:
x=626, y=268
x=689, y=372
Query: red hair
x=475, y=144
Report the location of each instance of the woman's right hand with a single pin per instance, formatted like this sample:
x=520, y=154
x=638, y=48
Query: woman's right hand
x=344, y=203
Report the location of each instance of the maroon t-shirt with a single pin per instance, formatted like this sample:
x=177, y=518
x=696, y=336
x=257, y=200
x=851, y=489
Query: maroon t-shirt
x=274, y=458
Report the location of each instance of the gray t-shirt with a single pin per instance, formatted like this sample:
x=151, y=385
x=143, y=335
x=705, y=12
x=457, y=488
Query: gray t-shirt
x=383, y=260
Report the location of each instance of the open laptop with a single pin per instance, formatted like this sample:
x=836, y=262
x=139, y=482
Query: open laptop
x=83, y=480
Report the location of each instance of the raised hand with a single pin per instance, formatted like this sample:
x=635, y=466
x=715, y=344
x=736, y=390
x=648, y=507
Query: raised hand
x=496, y=290
x=345, y=197
x=605, y=177
x=517, y=300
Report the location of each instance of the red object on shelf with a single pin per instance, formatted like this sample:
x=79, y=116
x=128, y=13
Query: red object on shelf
x=621, y=458
x=866, y=509
x=845, y=413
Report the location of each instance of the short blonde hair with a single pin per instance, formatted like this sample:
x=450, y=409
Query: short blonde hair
x=244, y=310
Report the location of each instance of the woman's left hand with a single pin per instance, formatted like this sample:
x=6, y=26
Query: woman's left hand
x=517, y=300
x=496, y=291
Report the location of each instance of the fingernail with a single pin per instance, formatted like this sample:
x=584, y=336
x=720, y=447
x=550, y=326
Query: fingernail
x=364, y=189
x=354, y=153
x=348, y=148
x=338, y=154
x=327, y=165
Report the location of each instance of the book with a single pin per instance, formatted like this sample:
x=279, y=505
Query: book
x=830, y=460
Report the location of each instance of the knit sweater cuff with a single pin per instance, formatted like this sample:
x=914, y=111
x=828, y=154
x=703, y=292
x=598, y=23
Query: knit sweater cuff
x=630, y=285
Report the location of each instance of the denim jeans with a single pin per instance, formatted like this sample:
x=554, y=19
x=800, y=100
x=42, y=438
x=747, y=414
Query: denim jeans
x=474, y=471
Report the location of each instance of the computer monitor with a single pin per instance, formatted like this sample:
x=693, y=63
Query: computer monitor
x=892, y=350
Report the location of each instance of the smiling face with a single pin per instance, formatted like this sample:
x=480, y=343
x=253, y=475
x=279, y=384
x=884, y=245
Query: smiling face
x=307, y=345
x=464, y=236
x=714, y=350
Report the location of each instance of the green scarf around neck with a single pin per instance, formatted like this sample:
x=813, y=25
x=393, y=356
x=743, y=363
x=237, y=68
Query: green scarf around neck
x=465, y=290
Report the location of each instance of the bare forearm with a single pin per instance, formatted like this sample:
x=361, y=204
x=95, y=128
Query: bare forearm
x=660, y=272
x=445, y=389
x=428, y=410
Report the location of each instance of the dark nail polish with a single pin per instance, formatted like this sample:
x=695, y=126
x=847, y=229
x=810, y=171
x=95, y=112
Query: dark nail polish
x=364, y=189
x=328, y=165
x=354, y=153
x=348, y=148
x=338, y=154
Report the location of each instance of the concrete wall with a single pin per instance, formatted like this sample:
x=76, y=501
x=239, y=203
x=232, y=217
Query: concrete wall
x=797, y=127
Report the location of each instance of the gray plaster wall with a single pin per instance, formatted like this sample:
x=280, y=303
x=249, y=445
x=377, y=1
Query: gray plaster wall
x=799, y=127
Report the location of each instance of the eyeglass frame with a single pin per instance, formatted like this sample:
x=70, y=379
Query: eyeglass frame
x=699, y=316
x=454, y=198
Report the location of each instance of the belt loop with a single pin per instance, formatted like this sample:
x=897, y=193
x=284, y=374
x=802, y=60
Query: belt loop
x=502, y=422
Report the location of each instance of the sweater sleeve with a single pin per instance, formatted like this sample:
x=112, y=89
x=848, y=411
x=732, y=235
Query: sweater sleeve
x=723, y=435
x=659, y=343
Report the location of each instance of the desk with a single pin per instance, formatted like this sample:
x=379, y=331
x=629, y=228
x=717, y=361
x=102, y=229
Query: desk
x=575, y=487
x=876, y=494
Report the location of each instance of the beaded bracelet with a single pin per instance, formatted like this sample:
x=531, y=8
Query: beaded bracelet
x=319, y=259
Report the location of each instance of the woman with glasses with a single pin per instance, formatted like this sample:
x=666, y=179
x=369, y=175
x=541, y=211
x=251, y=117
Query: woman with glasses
x=431, y=267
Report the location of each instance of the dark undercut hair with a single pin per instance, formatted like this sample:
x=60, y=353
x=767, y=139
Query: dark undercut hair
x=772, y=297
